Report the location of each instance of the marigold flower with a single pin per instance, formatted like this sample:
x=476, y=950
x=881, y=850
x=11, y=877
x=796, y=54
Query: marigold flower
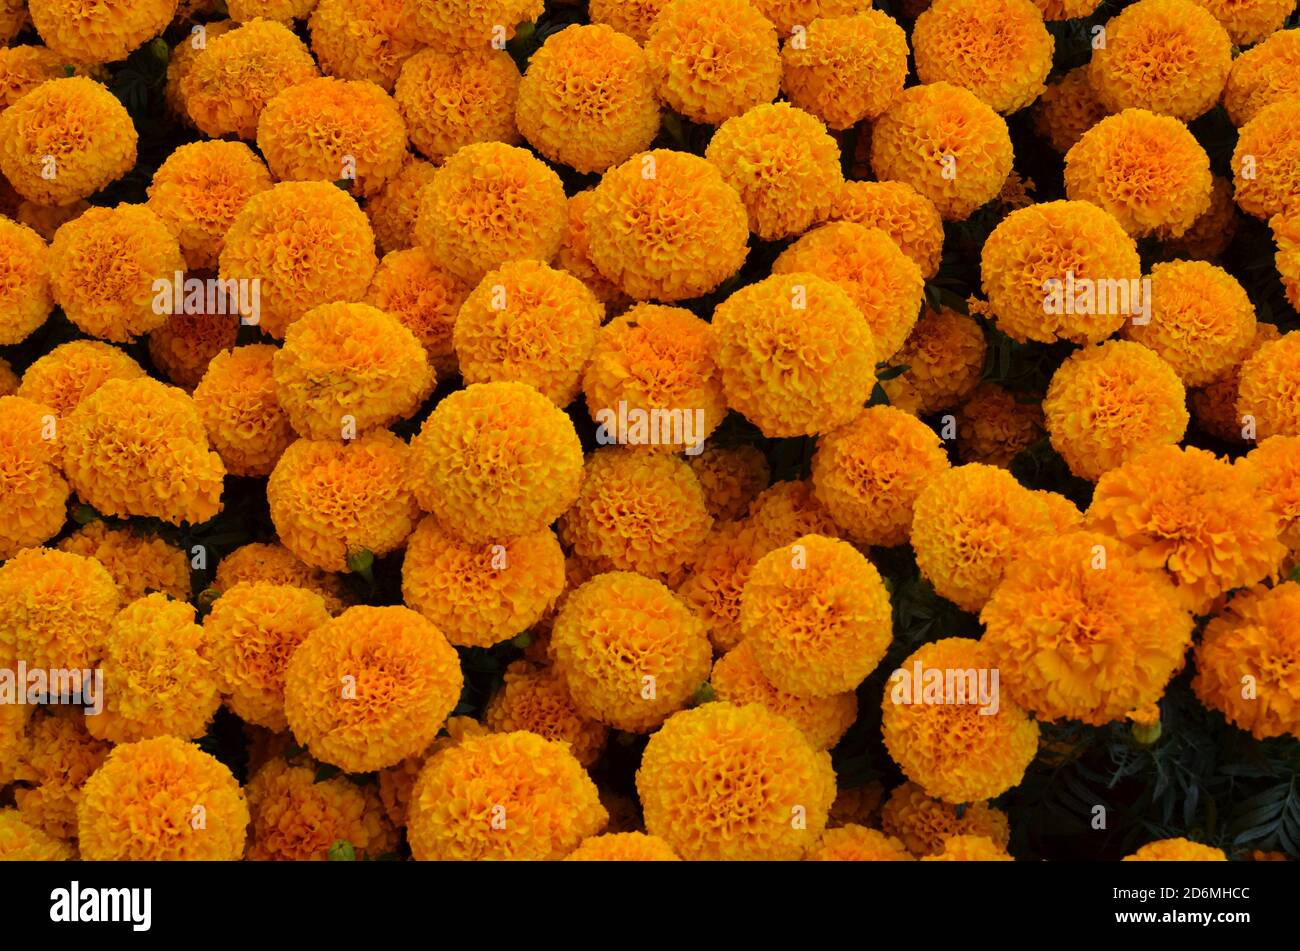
x=239, y=72
x=944, y=356
x=33, y=493
x=245, y=422
x=55, y=609
x=496, y=460
x=623, y=847
x=900, y=211
x=1067, y=109
x=923, y=823
x=1254, y=637
x=664, y=225
x=13, y=726
x=717, y=578
x=25, y=296
x=396, y=783
x=786, y=15
x=22, y=841
x=1269, y=391
x=57, y=758
x=295, y=817
x=139, y=563
x=1263, y=75
x=1163, y=56
x=140, y=805
x=1192, y=514
x=1215, y=406
x=1286, y=235
x=480, y=594
x=535, y=699
x=1212, y=232
x=947, y=144
x=856, y=843
x=282, y=11
x=1249, y=21
x=251, y=633
x=633, y=17
x=393, y=208
x=364, y=39
x=307, y=244
x=1266, y=162
x=969, y=524
x=275, y=564
x=847, y=68
x=451, y=99
x=181, y=60
x=995, y=425
x=723, y=782
x=1146, y=170
x=784, y=511
x=471, y=24
x=731, y=477
x=186, y=343
x=969, y=848
x=115, y=29
x=1276, y=464
x=426, y=298
x=1109, y=403
x=575, y=255
x=13, y=18
x=23, y=68
x=330, y=501
x=371, y=687
x=1176, y=850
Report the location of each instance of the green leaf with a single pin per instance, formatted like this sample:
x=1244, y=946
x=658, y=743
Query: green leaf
x=342, y=851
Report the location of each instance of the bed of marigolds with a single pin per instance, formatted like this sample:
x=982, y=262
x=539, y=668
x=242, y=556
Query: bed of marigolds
x=469, y=429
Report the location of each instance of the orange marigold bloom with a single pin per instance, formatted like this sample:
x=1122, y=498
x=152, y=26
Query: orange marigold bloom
x=969, y=524
x=1286, y=235
x=244, y=420
x=535, y=699
x=713, y=59
x=396, y=783
x=1176, y=850
x=251, y=633
x=109, y=34
x=23, y=68
x=633, y=17
x=33, y=493
x=1215, y=405
x=307, y=244
x=140, y=805
x=393, y=208
x=23, y=841
x=57, y=759
x=331, y=501
x=371, y=687
x=995, y=425
x=1109, y=403
x=731, y=478
x=787, y=510
x=471, y=24
x=847, y=68
x=489, y=204
x=451, y=99
x=1255, y=636
x=139, y=563
x=56, y=609
x=296, y=817
x=969, y=848
x=1211, y=233
x=722, y=782
x=1266, y=161
x=717, y=579
x=796, y=354
x=186, y=343
x=230, y=81
x=496, y=460
x=923, y=823
x=199, y=190
x=411, y=286
x=900, y=211
x=944, y=356
x=1263, y=75
x=1269, y=391
x=1031, y=264
x=575, y=255
x=1067, y=109
x=1192, y=514
x=282, y=11
x=623, y=847
x=364, y=39
x=1249, y=21
x=1167, y=56
x=46, y=220
x=587, y=100
x=13, y=18
x=181, y=60
x=1276, y=464
x=1146, y=170
x=275, y=564
x=629, y=651
x=787, y=14
x=855, y=843
x=947, y=144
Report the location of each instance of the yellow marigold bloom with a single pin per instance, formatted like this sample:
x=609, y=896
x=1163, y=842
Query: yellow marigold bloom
x=65, y=140
x=633, y=17
x=1082, y=630
x=535, y=699
x=1176, y=850
x=944, y=356
x=489, y=204
x=856, y=843
x=1212, y=232
x=200, y=189
x=106, y=34
x=731, y=477
x=1031, y=263
x=1067, y=109
x=1286, y=235
x=784, y=511
x=998, y=49
x=587, y=100
x=181, y=61
x=1249, y=21
x=623, y=847
x=737, y=678
x=331, y=501
x=717, y=579
x=968, y=525
x=1065, y=9
x=397, y=782
x=296, y=818
x=1215, y=405
x=371, y=687
x=817, y=616
x=275, y=564
x=138, y=563
x=55, y=609
x=1146, y=170
x=244, y=420
x=364, y=39
x=969, y=848
x=23, y=68
x=923, y=824
x=186, y=343
x=1167, y=56
x=8, y=379
x=55, y=762
x=250, y=635
x=575, y=255
x=788, y=14
x=995, y=425
x=796, y=354
x=1269, y=388
x=13, y=738
x=471, y=24
x=783, y=164
x=846, y=68
x=1109, y=403
x=629, y=651
x=412, y=287
x=1194, y=515
x=1266, y=162
x=713, y=59
x=665, y=226
x=157, y=681
x=282, y=11
x=307, y=243
x=22, y=841
x=33, y=494
x=1263, y=75
x=883, y=282
x=900, y=211
x=481, y=594
x=528, y=323
x=451, y=99
x=496, y=460
x=393, y=209
x=654, y=358
x=140, y=806
x=869, y=472
x=724, y=782
x=947, y=144
x=239, y=72
x=1255, y=636
x=503, y=796
x=46, y=220
x=1276, y=464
